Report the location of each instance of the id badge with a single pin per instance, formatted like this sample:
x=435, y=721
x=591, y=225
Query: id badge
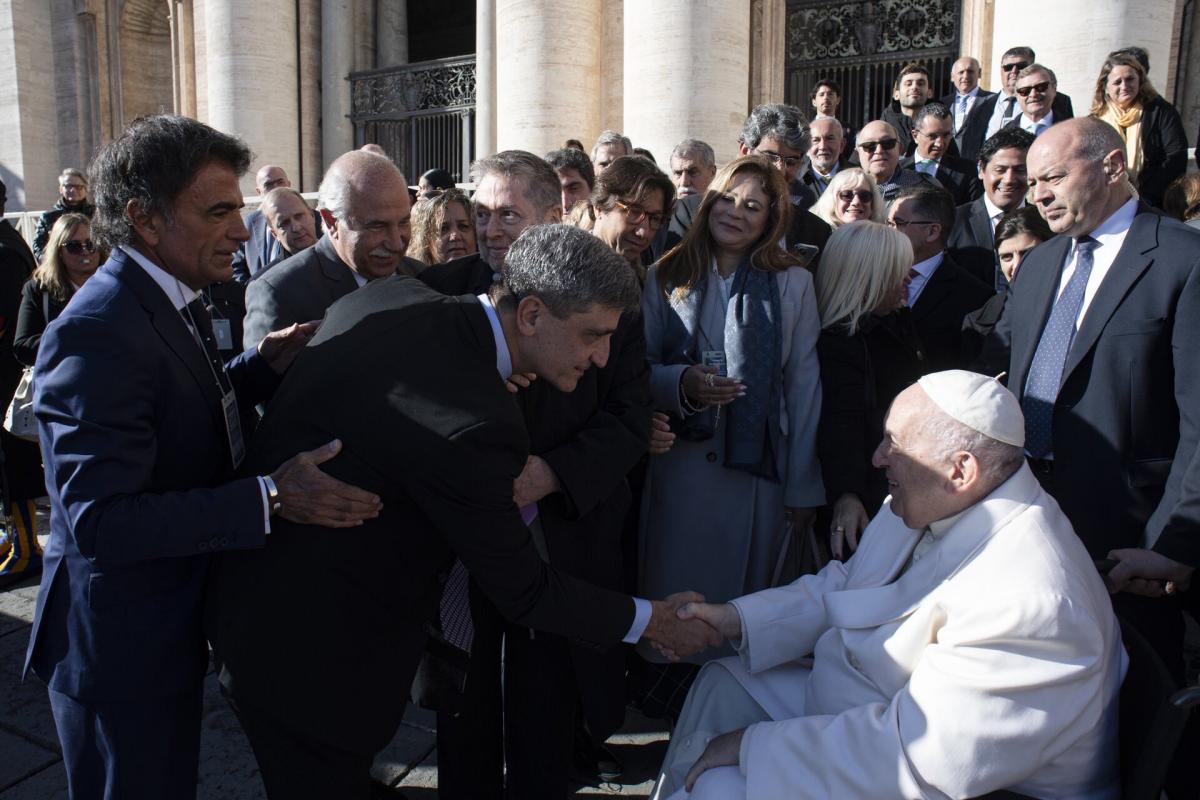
x=233, y=428
x=715, y=358
x=223, y=331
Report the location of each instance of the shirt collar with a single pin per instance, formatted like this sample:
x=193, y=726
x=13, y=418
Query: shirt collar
x=1045, y=121
x=941, y=527
x=929, y=265
x=176, y=291
x=973, y=93
x=1117, y=224
x=504, y=363
x=994, y=210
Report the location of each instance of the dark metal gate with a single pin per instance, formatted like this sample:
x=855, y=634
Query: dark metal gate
x=422, y=114
x=864, y=45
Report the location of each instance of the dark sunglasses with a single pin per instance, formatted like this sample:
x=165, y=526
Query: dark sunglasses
x=847, y=195
x=1015, y=66
x=886, y=144
x=1040, y=88
x=79, y=248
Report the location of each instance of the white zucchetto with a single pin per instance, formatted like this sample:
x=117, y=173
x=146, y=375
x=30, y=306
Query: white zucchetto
x=979, y=402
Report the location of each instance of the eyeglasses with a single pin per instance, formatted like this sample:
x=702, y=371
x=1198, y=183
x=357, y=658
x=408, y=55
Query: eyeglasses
x=937, y=136
x=847, y=195
x=777, y=159
x=79, y=248
x=76, y=186
x=637, y=215
x=901, y=222
x=1040, y=88
x=886, y=144
x=1015, y=66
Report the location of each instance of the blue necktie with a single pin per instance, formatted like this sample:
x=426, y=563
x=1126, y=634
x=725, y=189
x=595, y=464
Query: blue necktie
x=962, y=111
x=1046, y=371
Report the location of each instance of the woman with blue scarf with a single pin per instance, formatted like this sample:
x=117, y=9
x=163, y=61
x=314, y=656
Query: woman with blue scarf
x=731, y=333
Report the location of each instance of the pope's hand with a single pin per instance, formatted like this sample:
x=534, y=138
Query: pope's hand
x=723, y=751
x=674, y=636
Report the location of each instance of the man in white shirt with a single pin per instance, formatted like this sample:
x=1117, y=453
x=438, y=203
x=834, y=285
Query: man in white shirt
x=967, y=96
x=1036, y=89
x=968, y=646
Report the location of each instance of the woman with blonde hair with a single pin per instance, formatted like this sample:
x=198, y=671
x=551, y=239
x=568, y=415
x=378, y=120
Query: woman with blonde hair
x=443, y=228
x=869, y=352
x=851, y=195
x=71, y=257
x=1155, y=141
x=731, y=330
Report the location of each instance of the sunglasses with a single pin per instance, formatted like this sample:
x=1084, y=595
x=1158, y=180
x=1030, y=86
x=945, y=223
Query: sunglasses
x=886, y=144
x=1015, y=66
x=1040, y=88
x=847, y=195
x=79, y=248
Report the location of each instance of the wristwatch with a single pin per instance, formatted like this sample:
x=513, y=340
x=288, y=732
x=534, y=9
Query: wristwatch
x=272, y=495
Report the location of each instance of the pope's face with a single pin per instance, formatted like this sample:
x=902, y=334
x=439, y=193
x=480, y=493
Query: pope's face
x=918, y=476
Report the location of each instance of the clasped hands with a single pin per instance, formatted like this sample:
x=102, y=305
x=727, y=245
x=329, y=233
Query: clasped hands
x=683, y=625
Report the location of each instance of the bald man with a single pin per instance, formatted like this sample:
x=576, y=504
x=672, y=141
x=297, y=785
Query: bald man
x=365, y=207
x=260, y=249
x=967, y=104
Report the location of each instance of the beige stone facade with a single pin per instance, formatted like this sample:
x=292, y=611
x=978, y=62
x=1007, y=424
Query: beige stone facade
x=73, y=72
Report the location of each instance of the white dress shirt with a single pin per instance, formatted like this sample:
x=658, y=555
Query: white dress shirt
x=504, y=365
x=998, y=113
x=1039, y=127
x=1110, y=234
x=960, y=115
x=995, y=212
x=924, y=270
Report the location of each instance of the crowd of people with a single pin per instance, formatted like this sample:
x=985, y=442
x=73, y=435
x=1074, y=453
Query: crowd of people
x=836, y=434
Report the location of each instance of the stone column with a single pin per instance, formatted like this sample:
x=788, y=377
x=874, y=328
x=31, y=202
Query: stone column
x=251, y=88
x=612, y=68
x=485, y=78
x=548, y=79
x=768, y=51
x=1103, y=27
x=187, y=55
x=29, y=158
x=337, y=61
x=690, y=78
x=975, y=38
x=308, y=28
x=391, y=33
x=200, y=35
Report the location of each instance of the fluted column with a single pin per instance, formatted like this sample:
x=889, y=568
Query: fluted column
x=337, y=61
x=485, y=78
x=251, y=88
x=690, y=78
x=547, y=72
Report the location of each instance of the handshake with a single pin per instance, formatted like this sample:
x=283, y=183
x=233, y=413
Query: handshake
x=683, y=625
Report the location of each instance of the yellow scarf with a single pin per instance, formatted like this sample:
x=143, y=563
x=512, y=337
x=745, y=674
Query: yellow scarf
x=1128, y=123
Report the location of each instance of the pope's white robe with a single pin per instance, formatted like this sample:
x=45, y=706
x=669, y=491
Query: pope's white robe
x=993, y=662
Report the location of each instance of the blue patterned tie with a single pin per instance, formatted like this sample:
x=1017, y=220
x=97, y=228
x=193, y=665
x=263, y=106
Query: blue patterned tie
x=1046, y=371
x=962, y=111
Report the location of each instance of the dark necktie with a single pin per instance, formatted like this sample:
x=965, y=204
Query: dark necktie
x=1046, y=371
x=197, y=314
x=1010, y=106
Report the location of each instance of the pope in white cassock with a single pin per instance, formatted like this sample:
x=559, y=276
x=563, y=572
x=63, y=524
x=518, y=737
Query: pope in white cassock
x=968, y=646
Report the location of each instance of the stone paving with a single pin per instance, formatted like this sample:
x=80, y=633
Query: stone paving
x=31, y=764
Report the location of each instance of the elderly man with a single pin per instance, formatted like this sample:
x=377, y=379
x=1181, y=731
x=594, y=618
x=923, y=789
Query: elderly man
x=1098, y=336
x=967, y=100
x=261, y=249
x=879, y=153
x=141, y=433
x=399, y=368
x=576, y=176
x=967, y=646
x=364, y=204
x=779, y=133
x=610, y=145
x=1001, y=170
x=693, y=165
x=824, y=154
x=73, y=197
x=932, y=131
x=1036, y=89
x=293, y=225
x=913, y=90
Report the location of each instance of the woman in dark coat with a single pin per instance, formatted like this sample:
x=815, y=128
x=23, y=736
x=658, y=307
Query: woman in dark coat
x=869, y=352
x=1155, y=142
x=71, y=258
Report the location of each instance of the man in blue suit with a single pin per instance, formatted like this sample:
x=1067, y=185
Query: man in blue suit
x=261, y=249
x=141, y=434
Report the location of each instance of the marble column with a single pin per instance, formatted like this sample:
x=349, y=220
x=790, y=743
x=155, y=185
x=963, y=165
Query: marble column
x=251, y=88
x=975, y=39
x=391, y=33
x=308, y=28
x=485, y=78
x=187, y=57
x=612, y=68
x=548, y=72
x=337, y=61
x=690, y=78
x=1076, y=60
x=768, y=51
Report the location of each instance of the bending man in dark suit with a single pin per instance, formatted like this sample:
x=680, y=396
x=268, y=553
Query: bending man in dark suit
x=364, y=203
x=940, y=292
x=414, y=383
x=141, y=435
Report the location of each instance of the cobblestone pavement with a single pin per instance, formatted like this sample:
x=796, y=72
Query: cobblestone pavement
x=31, y=764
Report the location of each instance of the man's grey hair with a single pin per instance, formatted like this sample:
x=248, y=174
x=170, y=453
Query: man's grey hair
x=837, y=123
x=538, y=178
x=777, y=121
x=71, y=172
x=569, y=270
x=611, y=137
x=336, y=192
x=701, y=151
x=997, y=460
x=1036, y=68
x=936, y=110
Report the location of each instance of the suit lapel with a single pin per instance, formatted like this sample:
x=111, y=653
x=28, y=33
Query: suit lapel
x=1132, y=260
x=981, y=226
x=341, y=277
x=1038, y=285
x=940, y=284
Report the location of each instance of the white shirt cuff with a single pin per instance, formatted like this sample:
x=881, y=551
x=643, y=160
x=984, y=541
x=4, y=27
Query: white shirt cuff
x=641, y=618
x=266, y=498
